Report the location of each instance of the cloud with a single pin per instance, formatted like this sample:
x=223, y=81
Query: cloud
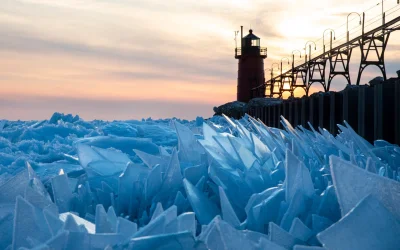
x=178, y=50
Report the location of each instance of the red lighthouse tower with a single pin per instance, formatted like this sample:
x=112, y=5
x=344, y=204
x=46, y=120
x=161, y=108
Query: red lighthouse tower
x=251, y=66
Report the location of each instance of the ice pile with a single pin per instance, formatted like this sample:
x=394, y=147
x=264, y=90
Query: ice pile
x=235, y=185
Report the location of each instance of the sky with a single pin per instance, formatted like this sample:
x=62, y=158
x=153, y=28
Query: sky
x=130, y=59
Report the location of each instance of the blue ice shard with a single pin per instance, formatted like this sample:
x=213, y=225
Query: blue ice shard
x=90, y=227
x=221, y=235
x=178, y=241
x=208, y=132
x=225, y=144
x=112, y=218
x=159, y=224
x=151, y=160
x=195, y=173
x=78, y=240
x=187, y=222
x=14, y=186
x=54, y=223
x=158, y=211
x=29, y=227
x=183, y=223
x=228, y=214
x=100, y=241
x=329, y=206
x=320, y=223
x=352, y=184
x=103, y=162
x=87, y=155
x=200, y=185
x=245, y=155
x=172, y=180
x=103, y=225
x=37, y=195
x=58, y=241
x=369, y=226
x=300, y=231
x=205, y=210
x=61, y=192
x=132, y=174
x=260, y=149
x=267, y=211
x=153, y=183
x=173, y=176
x=181, y=202
x=126, y=227
x=297, y=177
x=124, y=144
x=282, y=237
x=259, y=197
x=297, y=208
x=371, y=166
x=71, y=225
x=189, y=148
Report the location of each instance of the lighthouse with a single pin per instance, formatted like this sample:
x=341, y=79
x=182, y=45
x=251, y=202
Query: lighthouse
x=251, y=67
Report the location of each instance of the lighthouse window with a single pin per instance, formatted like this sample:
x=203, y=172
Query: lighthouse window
x=255, y=43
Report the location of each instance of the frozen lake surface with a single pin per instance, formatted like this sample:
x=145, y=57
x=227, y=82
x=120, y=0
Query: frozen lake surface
x=66, y=183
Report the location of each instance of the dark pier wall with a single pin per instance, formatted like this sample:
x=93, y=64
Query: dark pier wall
x=372, y=111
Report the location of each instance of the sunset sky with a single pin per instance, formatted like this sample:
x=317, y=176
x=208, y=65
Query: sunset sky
x=129, y=59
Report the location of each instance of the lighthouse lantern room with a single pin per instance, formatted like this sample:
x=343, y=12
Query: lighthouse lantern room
x=251, y=67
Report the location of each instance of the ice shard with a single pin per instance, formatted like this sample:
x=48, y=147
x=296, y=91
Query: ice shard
x=300, y=231
x=329, y=206
x=151, y=160
x=61, y=192
x=221, y=235
x=282, y=237
x=352, y=184
x=177, y=241
x=159, y=210
x=205, y=210
x=370, y=225
x=28, y=228
x=189, y=148
x=103, y=224
x=265, y=212
x=133, y=173
x=228, y=214
x=195, y=173
x=58, y=241
x=100, y=241
x=187, y=223
x=14, y=186
x=54, y=223
x=297, y=207
x=181, y=202
x=297, y=177
x=153, y=183
x=124, y=144
x=90, y=227
x=71, y=225
x=126, y=227
x=259, y=197
x=159, y=224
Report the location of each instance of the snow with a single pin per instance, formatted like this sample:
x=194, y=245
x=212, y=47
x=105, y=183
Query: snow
x=217, y=183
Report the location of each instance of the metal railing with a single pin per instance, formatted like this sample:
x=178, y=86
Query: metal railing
x=262, y=51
